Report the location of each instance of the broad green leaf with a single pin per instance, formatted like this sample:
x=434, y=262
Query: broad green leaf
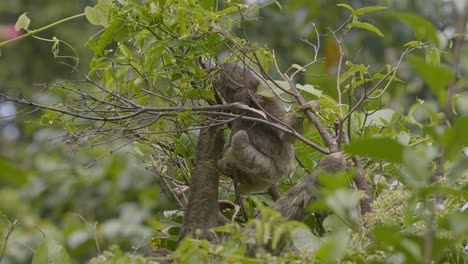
x=459, y=221
x=22, y=22
x=343, y=201
x=310, y=89
x=50, y=252
x=415, y=166
x=333, y=247
x=368, y=9
x=378, y=148
x=304, y=239
x=458, y=169
x=366, y=26
x=97, y=15
x=455, y=138
x=109, y=34
x=387, y=235
x=422, y=28
x=436, y=76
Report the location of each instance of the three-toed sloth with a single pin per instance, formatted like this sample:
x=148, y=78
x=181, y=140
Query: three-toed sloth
x=259, y=154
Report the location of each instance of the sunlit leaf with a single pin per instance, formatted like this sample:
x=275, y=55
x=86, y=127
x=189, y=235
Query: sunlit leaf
x=97, y=15
x=368, y=9
x=346, y=6
x=22, y=22
x=310, y=89
x=366, y=26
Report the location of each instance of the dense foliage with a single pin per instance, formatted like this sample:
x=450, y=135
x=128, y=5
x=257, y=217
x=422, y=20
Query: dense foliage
x=124, y=131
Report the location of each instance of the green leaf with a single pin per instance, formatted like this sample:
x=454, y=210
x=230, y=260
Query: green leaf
x=459, y=221
x=436, y=76
x=124, y=50
x=333, y=247
x=414, y=44
x=97, y=15
x=366, y=26
x=22, y=22
x=346, y=6
x=353, y=69
x=304, y=239
x=50, y=252
x=455, y=138
x=423, y=29
x=109, y=34
x=297, y=67
x=415, y=168
x=458, y=170
x=368, y=9
x=230, y=10
x=378, y=148
x=200, y=93
x=310, y=89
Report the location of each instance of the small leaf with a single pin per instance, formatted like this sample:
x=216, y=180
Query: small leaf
x=22, y=22
x=138, y=150
x=368, y=9
x=366, y=26
x=346, y=6
x=298, y=67
x=414, y=44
